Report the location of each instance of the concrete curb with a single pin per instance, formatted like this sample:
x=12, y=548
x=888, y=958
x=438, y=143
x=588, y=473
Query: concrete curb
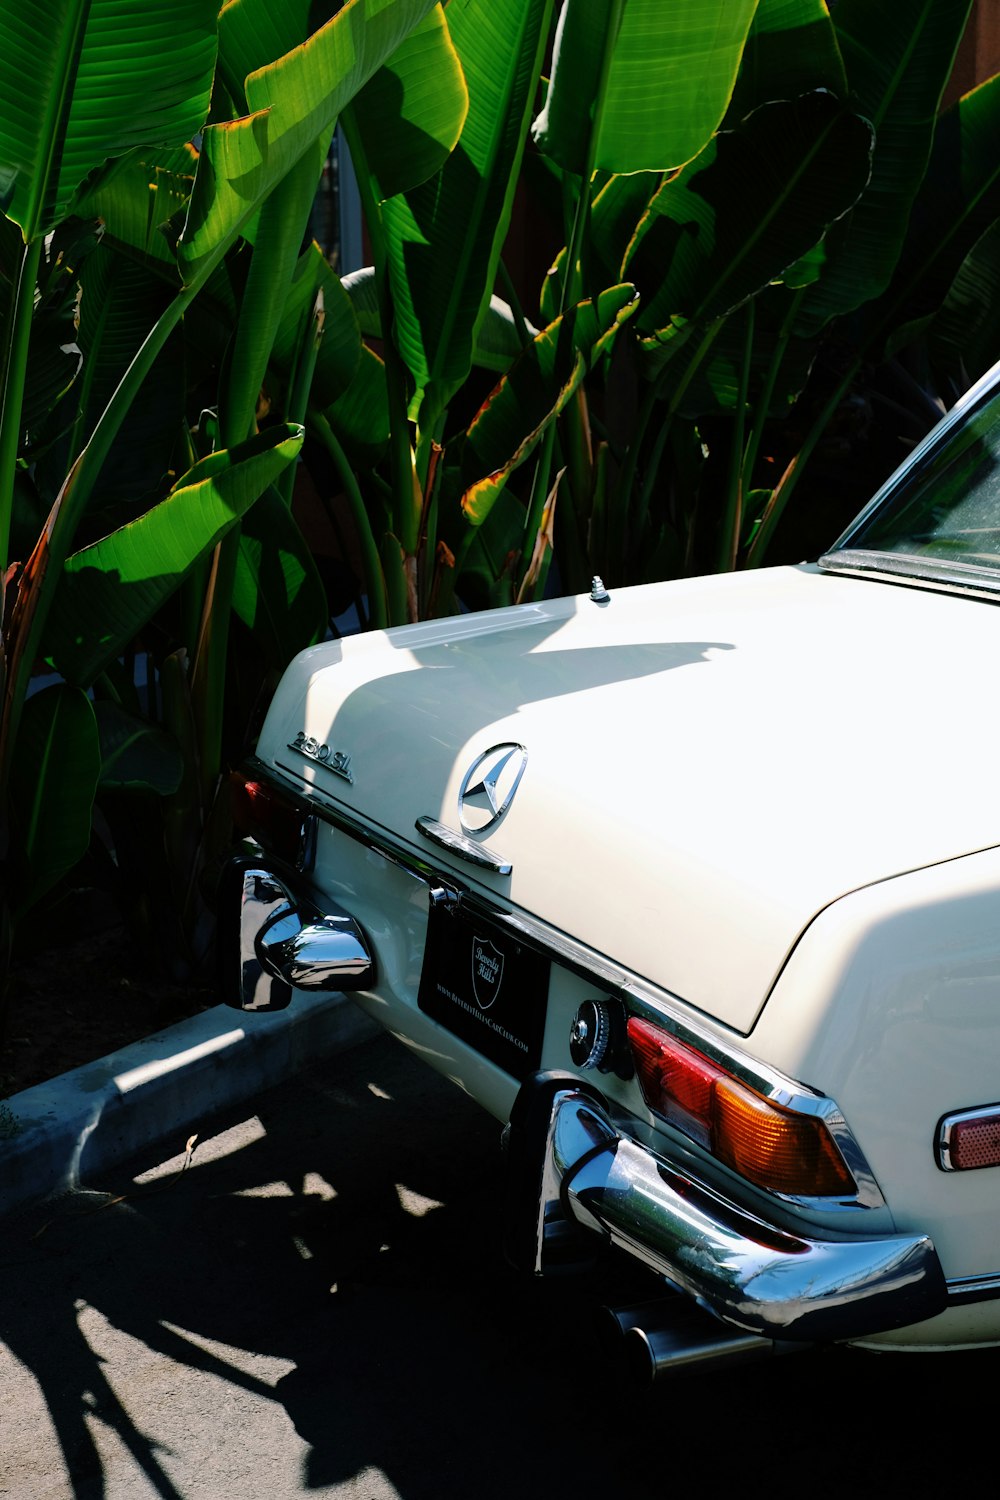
x=59, y=1135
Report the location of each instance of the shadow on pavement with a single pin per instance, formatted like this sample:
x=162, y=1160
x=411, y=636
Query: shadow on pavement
x=344, y=1252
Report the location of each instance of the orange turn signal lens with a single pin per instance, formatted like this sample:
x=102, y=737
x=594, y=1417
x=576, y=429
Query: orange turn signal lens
x=778, y=1149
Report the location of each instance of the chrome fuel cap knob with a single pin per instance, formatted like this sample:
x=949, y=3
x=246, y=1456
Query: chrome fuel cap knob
x=590, y=1034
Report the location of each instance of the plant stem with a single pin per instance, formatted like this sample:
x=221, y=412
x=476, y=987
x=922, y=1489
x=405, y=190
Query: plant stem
x=732, y=520
x=406, y=496
x=771, y=380
x=370, y=560
x=782, y=492
x=13, y=399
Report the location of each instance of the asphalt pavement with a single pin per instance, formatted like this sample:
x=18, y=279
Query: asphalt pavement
x=314, y=1302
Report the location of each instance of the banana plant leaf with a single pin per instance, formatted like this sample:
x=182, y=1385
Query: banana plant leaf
x=136, y=756
x=716, y=384
x=278, y=592
x=615, y=212
x=294, y=103
x=410, y=113
x=497, y=343
x=754, y=201
x=651, y=79
x=964, y=335
x=514, y=416
x=98, y=78
x=119, y=300
x=137, y=196
x=444, y=238
x=107, y=592
x=54, y=357
x=54, y=777
x=958, y=201
x=791, y=49
x=340, y=350
x=360, y=417
x=278, y=235
x=898, y=58
x=487, y=576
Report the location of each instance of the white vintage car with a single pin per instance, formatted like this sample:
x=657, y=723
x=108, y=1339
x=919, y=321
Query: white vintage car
x=696, y=887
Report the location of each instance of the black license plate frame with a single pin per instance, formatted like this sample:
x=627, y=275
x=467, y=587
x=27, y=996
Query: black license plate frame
x=487, y=987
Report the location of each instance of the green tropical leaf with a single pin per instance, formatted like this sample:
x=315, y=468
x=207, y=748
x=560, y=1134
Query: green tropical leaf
x=958, y=201
x=107, y=592
x=498, y=341
x=716, y=383
x=444, y=238
x=410, y=115
x=791, y=50
x=278, y=592
x=898, y=58
x=652, y=79
x=54, y=776
x=964, y=336
x=542, y=380
x=136, y=756
x=294, y=103
x=85, y=80
x=138, y=196
x=360, y=417
x=615, y=212
x=754, y=201
x=340, y=348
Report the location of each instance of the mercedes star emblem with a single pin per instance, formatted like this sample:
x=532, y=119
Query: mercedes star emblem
x=489, y=786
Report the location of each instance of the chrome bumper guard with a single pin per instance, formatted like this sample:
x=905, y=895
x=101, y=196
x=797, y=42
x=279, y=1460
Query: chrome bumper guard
x=285, y=941
x=571, y=1167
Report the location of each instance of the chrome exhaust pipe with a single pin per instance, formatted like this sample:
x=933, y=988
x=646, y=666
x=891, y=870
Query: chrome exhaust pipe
x=672, y=1335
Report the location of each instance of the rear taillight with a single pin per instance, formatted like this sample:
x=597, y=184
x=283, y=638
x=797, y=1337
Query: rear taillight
x=263, y=813
x=778, y=1149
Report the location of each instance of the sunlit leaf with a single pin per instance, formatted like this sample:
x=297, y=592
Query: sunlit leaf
x=653, y=78
x=108, y=591
x=97, y=78
x=293, y=103
x=445, y=236
x=542, y=380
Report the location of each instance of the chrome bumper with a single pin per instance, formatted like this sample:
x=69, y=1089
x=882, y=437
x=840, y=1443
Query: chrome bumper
x=570, y=1166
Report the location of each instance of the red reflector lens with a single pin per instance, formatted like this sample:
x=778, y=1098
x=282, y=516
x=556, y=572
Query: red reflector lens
x=262, y=813
x=970, y=1140
x=778, y=1149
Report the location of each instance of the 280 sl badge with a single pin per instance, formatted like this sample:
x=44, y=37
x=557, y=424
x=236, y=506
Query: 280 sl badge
x=337, y=761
